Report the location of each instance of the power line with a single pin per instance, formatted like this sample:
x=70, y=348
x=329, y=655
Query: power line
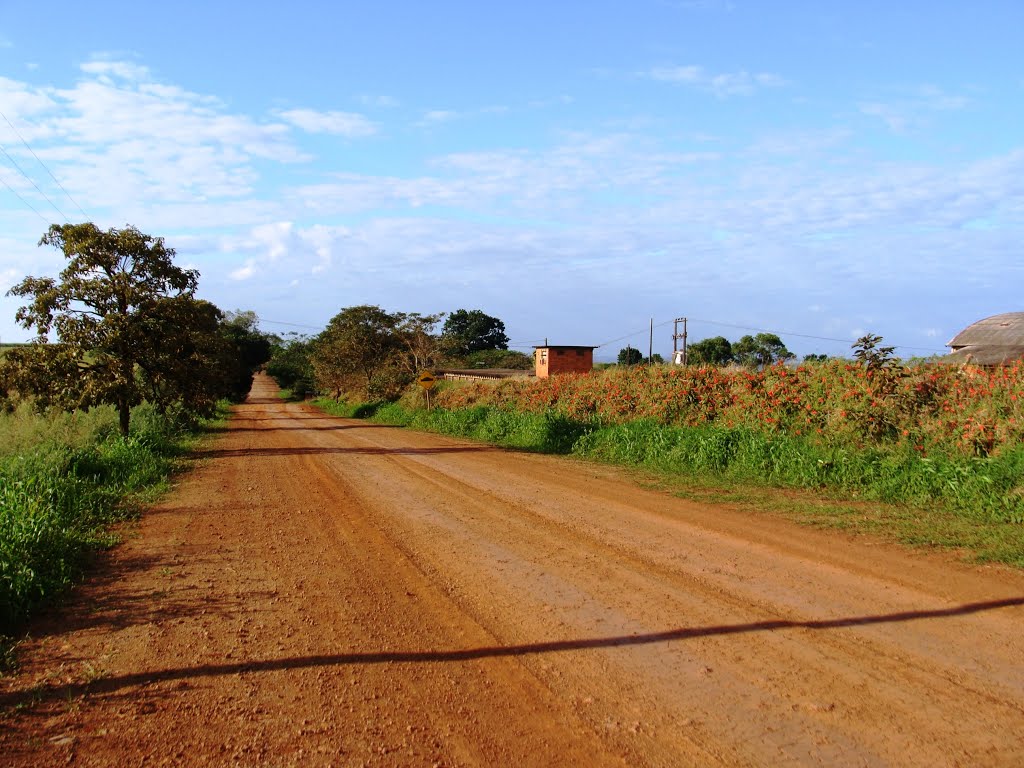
x=631, y=335
x=32, y=182
x=294, y=325
x=56, y=181
x=26, y=202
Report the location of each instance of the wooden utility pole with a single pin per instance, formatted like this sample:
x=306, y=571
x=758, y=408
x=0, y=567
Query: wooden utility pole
x=676, y=336
x=650, y=345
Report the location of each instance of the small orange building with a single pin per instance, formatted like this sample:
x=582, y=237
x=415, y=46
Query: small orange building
x=549, y=360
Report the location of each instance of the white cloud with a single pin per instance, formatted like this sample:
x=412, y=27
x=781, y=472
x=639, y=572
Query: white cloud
x=119, y=139
x=723, y=84
x=384, y=102
x=8, y=277
x=281, y=249
x=800, y=143
x=244, y=272
x=691, y=74
x=437, y=116
x=21, y=100
x=892, y=116
x=913, y=110
x=124, y=70
x=348, y=124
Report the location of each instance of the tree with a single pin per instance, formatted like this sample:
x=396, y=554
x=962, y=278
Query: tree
x=291, y=364
x=500, y=358
x=866, y=349
x=714, y=351
x=359, y=343
x=420, y=347
x=189, y=361
x=760, y=350
x=468, y=331
x=630, y=356
x=815, y=358
x=250, y=349
x=107, y=310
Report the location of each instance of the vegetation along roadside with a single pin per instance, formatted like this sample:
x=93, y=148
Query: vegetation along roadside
x=64, y=480
x=125, y=367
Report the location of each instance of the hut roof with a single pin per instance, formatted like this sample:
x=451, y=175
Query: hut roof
x=992, y=341
x=1005, y=330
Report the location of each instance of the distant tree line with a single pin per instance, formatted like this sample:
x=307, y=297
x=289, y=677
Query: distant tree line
x=633, y=356
x=750, y=351
x=368, y=352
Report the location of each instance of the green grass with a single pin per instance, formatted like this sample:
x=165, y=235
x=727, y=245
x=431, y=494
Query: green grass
x=64, y=479
x=971, y=504
x=983, y=489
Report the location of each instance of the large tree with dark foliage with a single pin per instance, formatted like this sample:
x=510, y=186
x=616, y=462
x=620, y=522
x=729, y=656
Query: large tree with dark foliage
x=120, y=307
x=761, y=350
x=630, y=356
x=467, y=331
x=714, y=351
x=249, y=349
x=358, y=343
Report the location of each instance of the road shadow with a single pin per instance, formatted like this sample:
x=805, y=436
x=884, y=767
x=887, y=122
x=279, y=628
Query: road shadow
x=297, y=429
x=216, y=453
x=104, y=601
x=117, y=683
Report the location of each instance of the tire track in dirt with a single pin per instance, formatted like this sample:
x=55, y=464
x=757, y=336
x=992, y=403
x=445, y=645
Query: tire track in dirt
x=331, y=592
x=877, y=663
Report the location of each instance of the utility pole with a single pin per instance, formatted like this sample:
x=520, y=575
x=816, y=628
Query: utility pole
x=650, y=345
x=676, y=336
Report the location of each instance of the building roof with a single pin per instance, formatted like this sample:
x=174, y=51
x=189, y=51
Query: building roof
x=1002, y=330
x=563, y=346
x=993, y=341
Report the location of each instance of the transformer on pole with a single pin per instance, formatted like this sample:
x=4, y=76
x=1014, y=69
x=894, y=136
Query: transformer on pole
x=679, y=356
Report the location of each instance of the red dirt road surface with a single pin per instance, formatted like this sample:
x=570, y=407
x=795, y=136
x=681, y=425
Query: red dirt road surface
x=319, y=591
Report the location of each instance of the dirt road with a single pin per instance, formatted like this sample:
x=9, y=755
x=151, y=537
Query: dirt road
x=329, y=592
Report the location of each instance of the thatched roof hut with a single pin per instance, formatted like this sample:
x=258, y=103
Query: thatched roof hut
x=996, y=340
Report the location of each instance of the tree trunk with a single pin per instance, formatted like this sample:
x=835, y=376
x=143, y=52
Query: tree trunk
x=123, y=416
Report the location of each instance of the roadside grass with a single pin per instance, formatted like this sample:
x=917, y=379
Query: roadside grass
x=289, y=395
x=971, y=504
x=64, y=480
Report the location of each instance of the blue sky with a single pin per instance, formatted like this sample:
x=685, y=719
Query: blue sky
x=576, y=169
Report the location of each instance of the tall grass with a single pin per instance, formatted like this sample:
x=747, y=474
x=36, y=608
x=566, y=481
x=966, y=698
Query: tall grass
x=64, y=478
x=987, y=489
x=547, y=432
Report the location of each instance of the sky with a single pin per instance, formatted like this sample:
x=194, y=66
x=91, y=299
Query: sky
x=820, y=170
